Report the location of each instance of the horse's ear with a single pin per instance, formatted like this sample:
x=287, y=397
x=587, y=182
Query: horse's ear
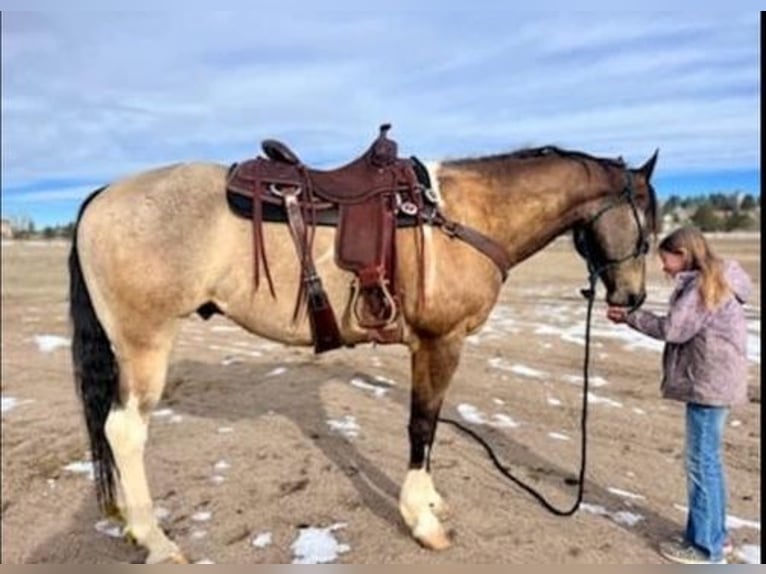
x=648, y=168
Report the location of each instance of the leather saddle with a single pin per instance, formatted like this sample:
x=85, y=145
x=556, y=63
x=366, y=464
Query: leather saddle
x=367, y=194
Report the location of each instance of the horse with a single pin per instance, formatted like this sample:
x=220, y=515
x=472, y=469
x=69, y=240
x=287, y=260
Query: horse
x=155, y=247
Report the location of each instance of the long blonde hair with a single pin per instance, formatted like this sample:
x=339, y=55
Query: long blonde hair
x=689, y=243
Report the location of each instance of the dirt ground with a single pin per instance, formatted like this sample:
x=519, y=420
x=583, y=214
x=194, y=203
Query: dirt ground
x=255, y=441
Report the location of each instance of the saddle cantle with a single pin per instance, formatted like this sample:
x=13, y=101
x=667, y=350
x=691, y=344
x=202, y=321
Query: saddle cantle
x=365, y=196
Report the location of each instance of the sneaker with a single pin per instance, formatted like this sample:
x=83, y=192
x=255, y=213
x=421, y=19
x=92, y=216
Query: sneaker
x=728, y=545
x=683, y=553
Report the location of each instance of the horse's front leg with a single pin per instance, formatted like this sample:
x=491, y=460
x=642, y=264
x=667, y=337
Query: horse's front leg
x=434, y=362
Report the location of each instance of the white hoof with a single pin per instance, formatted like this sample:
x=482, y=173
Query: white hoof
x=163, y=558
x=419, y=505
x=430, y=533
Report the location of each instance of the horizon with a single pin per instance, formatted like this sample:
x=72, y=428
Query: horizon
x=64, y=200
x=84, y=104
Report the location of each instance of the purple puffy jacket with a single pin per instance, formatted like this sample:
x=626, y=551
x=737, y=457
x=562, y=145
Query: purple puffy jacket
x=705, y=356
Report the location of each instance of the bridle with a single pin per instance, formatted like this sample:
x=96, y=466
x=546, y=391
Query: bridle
x=582, y=232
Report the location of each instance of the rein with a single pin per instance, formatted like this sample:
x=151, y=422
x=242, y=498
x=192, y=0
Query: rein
x=594, y=269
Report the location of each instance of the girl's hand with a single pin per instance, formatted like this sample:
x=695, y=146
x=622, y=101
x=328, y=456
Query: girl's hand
x=617, y=314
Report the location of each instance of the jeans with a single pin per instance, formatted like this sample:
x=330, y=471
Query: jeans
x=705, y=479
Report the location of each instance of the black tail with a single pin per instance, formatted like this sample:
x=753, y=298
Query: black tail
x=95, y=370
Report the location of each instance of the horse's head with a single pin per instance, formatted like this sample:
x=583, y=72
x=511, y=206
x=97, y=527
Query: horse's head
x=613, y=236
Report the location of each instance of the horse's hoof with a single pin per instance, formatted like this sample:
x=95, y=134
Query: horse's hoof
x=174, y=558
x=435, y=540
x=177, y=558
x=430, y=533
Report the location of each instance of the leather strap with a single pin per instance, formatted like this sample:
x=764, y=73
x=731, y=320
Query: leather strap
x=478, y=240
x=324, y=326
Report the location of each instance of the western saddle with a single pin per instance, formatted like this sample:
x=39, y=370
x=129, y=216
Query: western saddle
x=368, y=197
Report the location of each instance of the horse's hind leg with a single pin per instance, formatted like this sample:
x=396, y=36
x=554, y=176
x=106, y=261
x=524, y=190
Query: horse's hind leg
x=433, y=363
x=142, y=377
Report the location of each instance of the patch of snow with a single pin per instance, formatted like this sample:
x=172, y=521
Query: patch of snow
x=592, y=381
x=262, y=540
x=748, y=553
x=471, y=414
x=558, y=436
x=9, y=403
x=597, y=400
x=81, y=467
x=626, y=518
x=626, y=494
x=500, y=420
x=49, y=343
x=347, y=426
x=109, y=528
x=318, y=545
x=621, y=516
x=524, y=371
x=365, y=386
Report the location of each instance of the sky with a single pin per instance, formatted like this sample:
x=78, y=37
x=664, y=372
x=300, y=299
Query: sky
x=90, y=97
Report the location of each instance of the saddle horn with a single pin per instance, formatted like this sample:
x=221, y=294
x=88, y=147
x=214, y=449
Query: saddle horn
x=384, y=150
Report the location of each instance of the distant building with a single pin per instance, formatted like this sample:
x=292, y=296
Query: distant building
x=7, y=230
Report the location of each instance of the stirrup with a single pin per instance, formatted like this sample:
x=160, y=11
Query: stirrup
x=357, y=304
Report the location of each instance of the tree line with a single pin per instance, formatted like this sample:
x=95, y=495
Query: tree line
x=734, y=211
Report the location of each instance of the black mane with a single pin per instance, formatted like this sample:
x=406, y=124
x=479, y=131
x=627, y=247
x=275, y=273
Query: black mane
x=537, y=152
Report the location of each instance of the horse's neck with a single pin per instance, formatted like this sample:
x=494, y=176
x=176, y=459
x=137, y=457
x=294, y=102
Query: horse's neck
x=523, y=211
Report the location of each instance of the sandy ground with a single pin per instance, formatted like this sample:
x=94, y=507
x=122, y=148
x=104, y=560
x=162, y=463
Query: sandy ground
x=255, y=442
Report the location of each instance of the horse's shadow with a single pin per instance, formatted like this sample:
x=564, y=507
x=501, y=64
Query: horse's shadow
x=298, y=398
x=247, y=391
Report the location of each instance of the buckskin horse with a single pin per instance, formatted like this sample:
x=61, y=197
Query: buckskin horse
x=161, y=245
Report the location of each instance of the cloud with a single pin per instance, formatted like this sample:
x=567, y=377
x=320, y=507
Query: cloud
x=97, y=95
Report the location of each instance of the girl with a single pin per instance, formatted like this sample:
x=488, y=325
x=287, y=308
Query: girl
x=704, y=365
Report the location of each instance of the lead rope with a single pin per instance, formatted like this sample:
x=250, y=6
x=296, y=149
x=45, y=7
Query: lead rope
x=590, y=295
